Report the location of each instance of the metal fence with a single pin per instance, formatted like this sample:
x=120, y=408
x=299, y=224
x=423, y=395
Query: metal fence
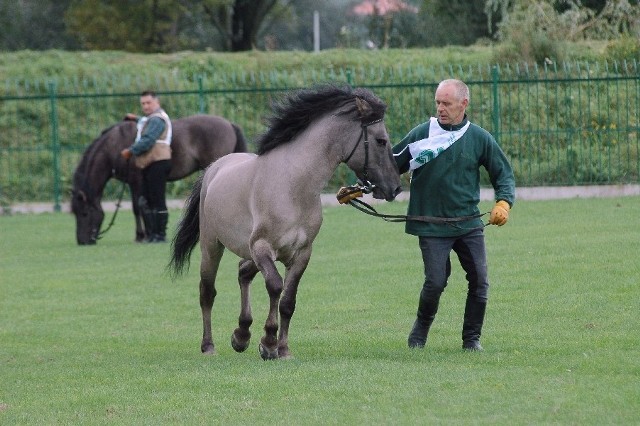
x=568, y=124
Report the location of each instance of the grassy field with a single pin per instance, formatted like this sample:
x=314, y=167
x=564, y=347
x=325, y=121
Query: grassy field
x=99, y=335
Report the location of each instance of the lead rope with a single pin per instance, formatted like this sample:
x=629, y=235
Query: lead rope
x=354, y=191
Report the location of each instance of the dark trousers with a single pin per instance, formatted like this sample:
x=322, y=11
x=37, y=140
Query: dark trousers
x=154, y=184
x=471, y=252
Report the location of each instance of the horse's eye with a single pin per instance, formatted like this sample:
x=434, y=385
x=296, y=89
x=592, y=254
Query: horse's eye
x=381, y=142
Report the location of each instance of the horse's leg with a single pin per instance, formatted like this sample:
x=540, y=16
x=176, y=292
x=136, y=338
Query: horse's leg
x=247, y=270
x=264, y=257
x=288, y=301
x=211, y=255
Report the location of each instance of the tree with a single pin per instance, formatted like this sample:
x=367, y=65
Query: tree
x=453, y=22
x=537, y=30
x=34, y=24
x=143, y=26
x=239, y=21
x=292, y=28
x=571, y=19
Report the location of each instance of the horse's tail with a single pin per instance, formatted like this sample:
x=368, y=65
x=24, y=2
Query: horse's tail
x=187, y=233
x=241, y=142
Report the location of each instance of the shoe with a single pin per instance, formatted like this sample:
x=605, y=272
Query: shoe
x=472, y=326
x=472, y=346
x=418, y=335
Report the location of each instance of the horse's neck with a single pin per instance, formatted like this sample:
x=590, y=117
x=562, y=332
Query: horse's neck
x=311, y=161
x=97, y=172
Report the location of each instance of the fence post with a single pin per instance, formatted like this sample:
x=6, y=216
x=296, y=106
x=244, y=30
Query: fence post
x=201, y=95
x=55, y=146
x=496, y=103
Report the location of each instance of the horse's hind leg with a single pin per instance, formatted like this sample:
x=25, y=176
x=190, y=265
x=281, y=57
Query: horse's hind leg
x=247, y=270
x=211, y=256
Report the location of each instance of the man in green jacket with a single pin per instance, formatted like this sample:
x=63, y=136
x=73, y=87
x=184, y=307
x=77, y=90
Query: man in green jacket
x=444, y=156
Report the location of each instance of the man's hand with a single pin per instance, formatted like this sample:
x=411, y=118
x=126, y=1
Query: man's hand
x=130, y=117
x=126, y=153
x=499, y=213
x=348, y=193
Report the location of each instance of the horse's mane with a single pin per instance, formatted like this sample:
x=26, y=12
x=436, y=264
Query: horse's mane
x=81, y=170
x=292, y=114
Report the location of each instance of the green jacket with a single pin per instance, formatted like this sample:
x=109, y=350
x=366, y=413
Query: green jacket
x=150, y=129
x=449, y=185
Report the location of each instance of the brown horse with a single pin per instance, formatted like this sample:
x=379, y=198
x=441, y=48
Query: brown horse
x=197, y=141
x=266, y=207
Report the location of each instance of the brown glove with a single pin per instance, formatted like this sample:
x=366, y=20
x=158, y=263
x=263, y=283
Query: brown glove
x=499, y=213
x=126, y=153
x=348, y=193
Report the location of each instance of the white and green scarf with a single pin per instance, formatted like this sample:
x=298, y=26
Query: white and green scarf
x=439, y=139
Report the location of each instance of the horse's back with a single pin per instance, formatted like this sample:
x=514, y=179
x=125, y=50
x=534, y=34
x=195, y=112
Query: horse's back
x=199, y=140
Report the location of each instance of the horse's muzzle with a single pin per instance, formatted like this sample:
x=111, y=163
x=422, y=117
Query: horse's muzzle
x=396, y=191
x=388, y=195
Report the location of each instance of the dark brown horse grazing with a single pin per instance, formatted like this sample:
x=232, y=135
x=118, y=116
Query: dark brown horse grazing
x=266, y=207
x=197, y=141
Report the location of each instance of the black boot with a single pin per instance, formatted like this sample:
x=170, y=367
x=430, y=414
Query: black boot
x=160, y=232
x=424, y=318
x=148, y=218
x=473, y=320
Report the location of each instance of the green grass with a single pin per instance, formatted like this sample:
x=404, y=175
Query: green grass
x=99, y=335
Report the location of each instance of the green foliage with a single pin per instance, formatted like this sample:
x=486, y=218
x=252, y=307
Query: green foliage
x=143, y=26
x=447, y=23
x=99, y=335
x=538, y=30
x=531, y=32
x=34, y=24
x=624, y=49
x=538, y=48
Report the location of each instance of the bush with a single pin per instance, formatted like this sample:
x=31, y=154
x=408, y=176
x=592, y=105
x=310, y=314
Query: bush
x=623, y=49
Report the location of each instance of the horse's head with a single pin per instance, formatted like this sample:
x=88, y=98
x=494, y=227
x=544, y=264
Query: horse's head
x=89, y=216
x=96, y=167
x=371, y=158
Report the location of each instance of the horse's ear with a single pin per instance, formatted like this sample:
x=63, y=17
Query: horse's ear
x=363, y=107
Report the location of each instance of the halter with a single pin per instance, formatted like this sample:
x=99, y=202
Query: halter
x=365, y=185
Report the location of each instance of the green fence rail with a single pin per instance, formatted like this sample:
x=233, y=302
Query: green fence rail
x=568, y=124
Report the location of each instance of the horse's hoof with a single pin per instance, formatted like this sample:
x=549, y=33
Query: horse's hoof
x=208, y=349
x=237, y=345
x=266, y=354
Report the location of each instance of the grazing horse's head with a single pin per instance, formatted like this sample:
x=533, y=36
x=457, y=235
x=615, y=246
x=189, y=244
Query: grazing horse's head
x=96, y=167
x=89, y=216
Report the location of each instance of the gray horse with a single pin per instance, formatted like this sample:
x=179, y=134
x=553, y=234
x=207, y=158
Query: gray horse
x=266, y=207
